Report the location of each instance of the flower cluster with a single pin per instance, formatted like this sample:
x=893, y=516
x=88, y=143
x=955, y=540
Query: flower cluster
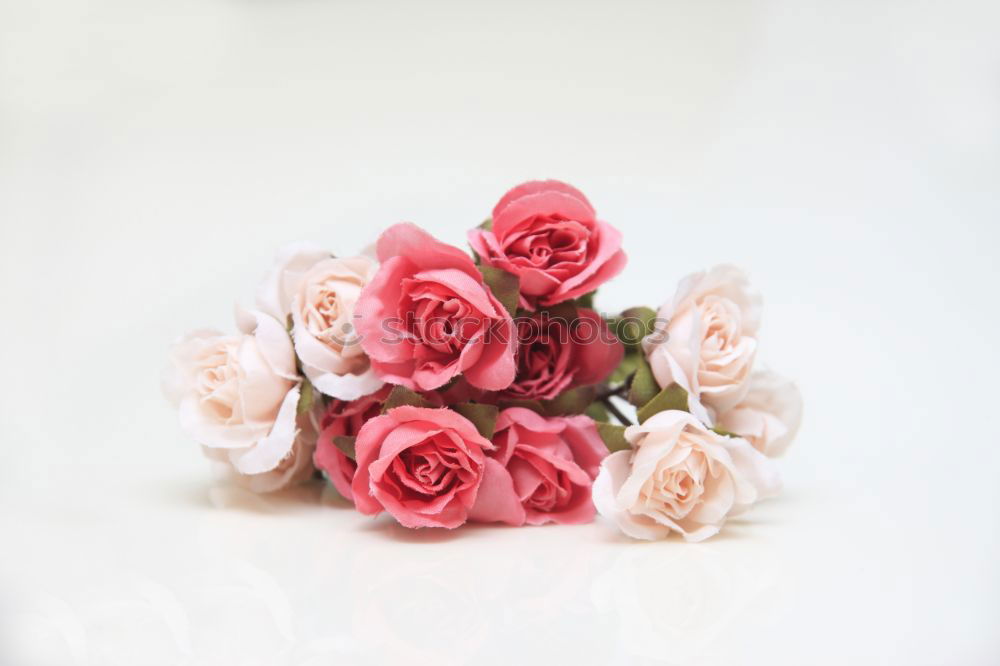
x=443, y=387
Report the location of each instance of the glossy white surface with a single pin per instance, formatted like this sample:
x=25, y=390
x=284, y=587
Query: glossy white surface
x=155, y=154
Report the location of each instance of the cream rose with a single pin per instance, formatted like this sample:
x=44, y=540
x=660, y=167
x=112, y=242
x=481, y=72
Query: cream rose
x=769, y=416
x=238, y=394
x=679, y=476
x=319, y=293
x=706, y=342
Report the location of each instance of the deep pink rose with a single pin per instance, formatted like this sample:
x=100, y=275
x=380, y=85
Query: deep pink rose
x=552, y=463
x=556, y=354
x=427, y=467
x=547, y=233
x=427, y=316
x=343, y=418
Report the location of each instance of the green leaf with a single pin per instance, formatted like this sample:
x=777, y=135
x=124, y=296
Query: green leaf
x=484, y=417
x=505, y=286
x=672, y=397
x=534, y=405
x=400, y=395
x=307, y=397
x=346, y=445
x=613, y=436
x=587, y=300
x=633, y=325
x=625, y=369
x=643, y=387
x=598, y=412
x=565, y=310
x=722, y=431
x=486, y=225
x=573, y=401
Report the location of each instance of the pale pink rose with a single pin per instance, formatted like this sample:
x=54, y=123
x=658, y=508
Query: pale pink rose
x=547, y=233
x=319, y=292
x=341, y=418
x=555, y=355
x=296, y=467
x=426, y=467
x=769, y=416
x=238, y=393
x=706, y=339
x=552, y=463
x=679, y=476
x=427, y=316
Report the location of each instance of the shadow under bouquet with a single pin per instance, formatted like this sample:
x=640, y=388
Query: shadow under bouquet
x=441, y=386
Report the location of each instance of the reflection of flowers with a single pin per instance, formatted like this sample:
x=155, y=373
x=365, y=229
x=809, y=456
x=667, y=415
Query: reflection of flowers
x=671, y=604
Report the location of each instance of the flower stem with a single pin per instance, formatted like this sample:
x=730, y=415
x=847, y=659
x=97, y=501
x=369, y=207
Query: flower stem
x=610, y=406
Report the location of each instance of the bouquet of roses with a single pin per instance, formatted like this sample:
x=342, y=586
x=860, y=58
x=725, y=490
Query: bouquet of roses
x=443, y=387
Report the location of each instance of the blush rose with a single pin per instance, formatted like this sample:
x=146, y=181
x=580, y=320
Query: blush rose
x=768, y=416
x=547, y=233
x=707, y=342
x=319, y=292
x=679, y=476
x=237, y=395
x=427, y=316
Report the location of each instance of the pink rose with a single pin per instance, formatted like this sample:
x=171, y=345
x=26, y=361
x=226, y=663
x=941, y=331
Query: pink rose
x=555, y=355
x=426, y=467
x=427, y=316
x=343, y=418
x=552, y=463
x=547, y=233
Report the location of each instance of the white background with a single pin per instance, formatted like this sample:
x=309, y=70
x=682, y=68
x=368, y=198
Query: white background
x=153, y=155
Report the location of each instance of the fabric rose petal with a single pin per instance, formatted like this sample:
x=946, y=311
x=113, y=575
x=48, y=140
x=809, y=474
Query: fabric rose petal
x=552, y=462
x=345, y=419
x=426, y=467
x=680, y=477
x=708, y=342
x=238, y=393
x=769, y=416
x=555, y=355
x=319, y=293
x=547, y=233
x=427, y=316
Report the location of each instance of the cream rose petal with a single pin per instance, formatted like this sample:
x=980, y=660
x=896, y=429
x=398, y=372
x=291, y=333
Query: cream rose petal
x=275, y=293
x=269, y=451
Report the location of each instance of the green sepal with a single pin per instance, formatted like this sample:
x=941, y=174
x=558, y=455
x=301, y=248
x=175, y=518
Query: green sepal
x=613, y=436
x=505, y=286
x=486, y=225
x=346, y=445
x=598, y=412
x=573, y=401
x=307, y=397
x=643, y=387
x=632, y=325
x=400, y=395
x=484, y=417
x=565, y=310
x=672, y=397
x=587, y=300
x=722, y=431
x=625, y=369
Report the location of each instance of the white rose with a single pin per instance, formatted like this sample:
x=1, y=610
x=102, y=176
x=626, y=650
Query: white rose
x=707, y=341
x=679, y=476
x=769, y=416
x=238, y=393
x=319, y=293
